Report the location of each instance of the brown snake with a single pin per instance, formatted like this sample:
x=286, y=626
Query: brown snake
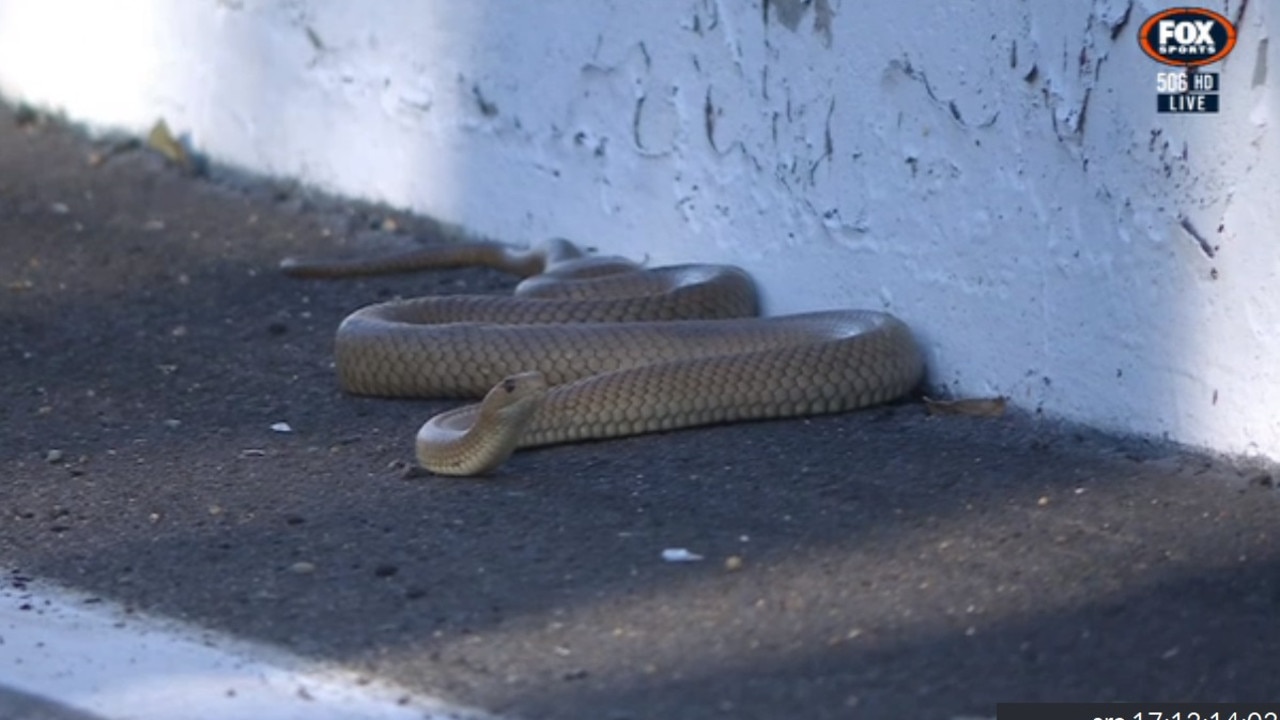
x=600, y=347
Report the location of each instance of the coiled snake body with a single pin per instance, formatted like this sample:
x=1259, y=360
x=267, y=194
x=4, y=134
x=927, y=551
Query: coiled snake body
x=600, y=347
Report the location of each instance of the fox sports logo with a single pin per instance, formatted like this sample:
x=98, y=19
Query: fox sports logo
x=1187, y=37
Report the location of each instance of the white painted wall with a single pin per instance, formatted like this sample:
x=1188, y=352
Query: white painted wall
x=993, y=171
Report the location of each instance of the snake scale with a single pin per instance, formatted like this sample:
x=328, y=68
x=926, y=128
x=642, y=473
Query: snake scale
x=592, y=347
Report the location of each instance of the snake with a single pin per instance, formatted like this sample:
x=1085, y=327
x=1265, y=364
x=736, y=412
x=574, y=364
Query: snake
x=591, y=347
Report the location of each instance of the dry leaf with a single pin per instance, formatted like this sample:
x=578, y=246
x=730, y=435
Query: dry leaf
x=161, y=140
x=975, y=407
x=102, y=154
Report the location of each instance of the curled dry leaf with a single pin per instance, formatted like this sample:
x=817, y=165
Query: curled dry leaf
x=100, y=155
x=161, y=140
x=975, y=407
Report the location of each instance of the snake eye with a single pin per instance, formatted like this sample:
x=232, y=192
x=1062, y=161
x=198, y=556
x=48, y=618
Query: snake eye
x=509, y=385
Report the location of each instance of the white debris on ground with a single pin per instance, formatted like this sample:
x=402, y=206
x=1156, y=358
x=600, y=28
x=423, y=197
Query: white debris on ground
x=675, y=555
x=93, y=655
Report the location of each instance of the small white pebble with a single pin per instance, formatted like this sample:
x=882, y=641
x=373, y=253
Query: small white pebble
x=680, y=555
x=54, y=456
x=281, y=427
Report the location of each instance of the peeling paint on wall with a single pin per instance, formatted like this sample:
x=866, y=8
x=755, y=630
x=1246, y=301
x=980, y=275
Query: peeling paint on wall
x=790, y=13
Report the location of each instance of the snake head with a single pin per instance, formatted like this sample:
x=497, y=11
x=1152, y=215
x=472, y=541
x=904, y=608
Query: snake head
x=513, y=400
x=475, y=439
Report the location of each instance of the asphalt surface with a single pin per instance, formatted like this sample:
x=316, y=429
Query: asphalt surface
x=874, y=564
